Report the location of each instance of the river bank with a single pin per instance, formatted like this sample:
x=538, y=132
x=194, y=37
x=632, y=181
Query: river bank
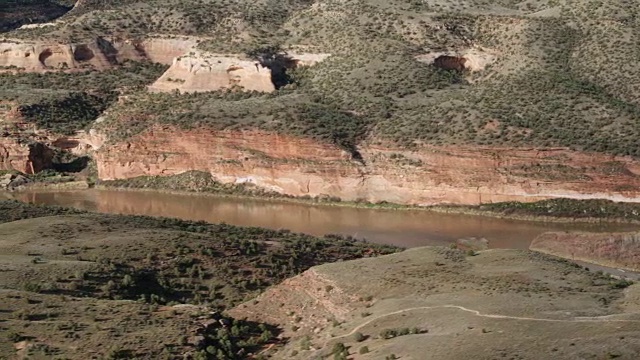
x=198, y=183
x=406, y=228
x=508, y=210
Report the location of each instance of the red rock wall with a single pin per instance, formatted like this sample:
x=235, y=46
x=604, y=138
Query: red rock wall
x=28, y=159
x=432, y=175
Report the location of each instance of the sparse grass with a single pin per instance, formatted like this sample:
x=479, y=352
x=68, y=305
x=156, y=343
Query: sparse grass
x=102, y=259
x=183, y=268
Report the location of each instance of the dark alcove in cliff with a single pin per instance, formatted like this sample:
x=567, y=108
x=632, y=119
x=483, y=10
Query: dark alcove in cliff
x=278, y=62
x=40, y=158
x=82, y=53
x=44, y=56
x=74, y=166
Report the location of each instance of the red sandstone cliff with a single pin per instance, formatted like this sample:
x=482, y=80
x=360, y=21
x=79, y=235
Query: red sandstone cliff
x=431, y=175
x=27, y=158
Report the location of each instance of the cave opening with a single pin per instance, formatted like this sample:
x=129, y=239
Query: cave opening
x=450, y=63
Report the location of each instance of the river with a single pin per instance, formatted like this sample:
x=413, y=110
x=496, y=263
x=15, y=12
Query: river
x=406, y=228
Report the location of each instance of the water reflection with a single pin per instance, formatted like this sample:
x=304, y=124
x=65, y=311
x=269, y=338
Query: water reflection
x=403, y=228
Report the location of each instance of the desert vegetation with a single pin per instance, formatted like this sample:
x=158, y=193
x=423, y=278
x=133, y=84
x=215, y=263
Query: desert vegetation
x=555, y=80
x=64, y=103
x=568, y=208
x=551, y=85
x=183, y=269
x=545, y=74
x=15, y=13
x=188, y=270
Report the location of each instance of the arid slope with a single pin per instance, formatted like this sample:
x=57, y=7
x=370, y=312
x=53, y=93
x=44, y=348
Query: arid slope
x=434, y=303
x=617, y=250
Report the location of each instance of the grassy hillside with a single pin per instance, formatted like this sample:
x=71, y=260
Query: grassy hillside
x=168, y=260
x=563, y=73
x=562, y=76
x=67, y=102
x=417, y=303
x=15, y=13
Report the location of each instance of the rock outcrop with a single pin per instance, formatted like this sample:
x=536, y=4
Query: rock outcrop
x=164, y=50
x=12, y=181
x=39, y=57
x=99, y=54
x=190, y=70
x=301, y=59
x=200, y=71
x=431, y=175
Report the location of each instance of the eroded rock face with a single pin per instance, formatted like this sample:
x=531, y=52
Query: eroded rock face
x=206, y=72
x=301, y=166
x=165, y=50
x=307, y=59
x=191, y=70
x=40, y=57
x=26, y=158
x=201, y=71
x=99, y=54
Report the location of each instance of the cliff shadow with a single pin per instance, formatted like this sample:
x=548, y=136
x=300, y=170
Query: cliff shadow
x=74, y=166
x=44, y=55
x=109, y=51
x=278, y=62
x=15, y=13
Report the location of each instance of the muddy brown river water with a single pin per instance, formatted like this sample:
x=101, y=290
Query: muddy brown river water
x=407, y=228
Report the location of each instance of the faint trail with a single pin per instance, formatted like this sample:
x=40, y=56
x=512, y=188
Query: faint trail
x=604, y=318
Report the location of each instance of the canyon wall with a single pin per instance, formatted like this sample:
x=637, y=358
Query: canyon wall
x=621, y=250
x=27, y=158
x=431, y=175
